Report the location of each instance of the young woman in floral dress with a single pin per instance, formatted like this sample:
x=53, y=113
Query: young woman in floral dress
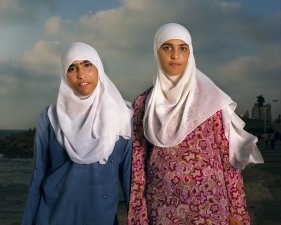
x=189, y=146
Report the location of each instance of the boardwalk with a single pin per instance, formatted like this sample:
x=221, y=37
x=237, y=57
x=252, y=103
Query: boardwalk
x=272, y=158
x=14, y=178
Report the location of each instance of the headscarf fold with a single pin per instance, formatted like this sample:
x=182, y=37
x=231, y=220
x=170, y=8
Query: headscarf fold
x=173, y=110
x=88, y=126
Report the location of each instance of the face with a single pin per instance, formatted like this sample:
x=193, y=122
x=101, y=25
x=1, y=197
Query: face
x=82, y=76
x=173, y=56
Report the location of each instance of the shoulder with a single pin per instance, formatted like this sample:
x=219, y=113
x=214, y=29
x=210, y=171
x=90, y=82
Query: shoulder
x=43, y=125
x=217, y=115
x=140, y=100
x=43, y=117
x=217, y=121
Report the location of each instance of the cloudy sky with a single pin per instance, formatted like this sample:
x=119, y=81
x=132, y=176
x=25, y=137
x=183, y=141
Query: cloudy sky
x=236, y=43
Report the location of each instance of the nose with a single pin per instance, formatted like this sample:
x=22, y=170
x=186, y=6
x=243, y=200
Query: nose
x=175, y=54
x=80, y=73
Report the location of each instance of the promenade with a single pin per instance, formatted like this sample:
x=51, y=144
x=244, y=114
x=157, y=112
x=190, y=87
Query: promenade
x=15, y=174
x=272, y=165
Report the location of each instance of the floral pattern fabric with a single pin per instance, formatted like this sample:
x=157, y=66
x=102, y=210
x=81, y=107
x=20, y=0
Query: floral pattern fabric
x=191, y=183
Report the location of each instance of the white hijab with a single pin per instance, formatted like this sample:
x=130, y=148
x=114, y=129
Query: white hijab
x=176, y=106
x=88, y=127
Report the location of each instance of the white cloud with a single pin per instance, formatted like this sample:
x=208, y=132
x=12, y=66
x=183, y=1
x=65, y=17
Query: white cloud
x=53, y=25
x=239, y=50
x=227, y=38
x=23, y=12
x=44, y=58
x=57, y=26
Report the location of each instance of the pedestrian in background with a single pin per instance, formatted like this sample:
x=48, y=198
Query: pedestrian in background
x=276, y=135
x=272, y=139
x=266, y=138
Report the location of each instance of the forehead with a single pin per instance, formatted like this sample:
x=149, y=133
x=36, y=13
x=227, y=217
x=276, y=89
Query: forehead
x=175, y=42
x=78, y=62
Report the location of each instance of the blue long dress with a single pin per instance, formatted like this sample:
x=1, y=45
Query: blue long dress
x=63, y=192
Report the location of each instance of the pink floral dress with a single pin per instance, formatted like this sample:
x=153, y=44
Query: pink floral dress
x=191, y=183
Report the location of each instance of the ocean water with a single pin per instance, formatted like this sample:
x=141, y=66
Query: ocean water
x=4, y=133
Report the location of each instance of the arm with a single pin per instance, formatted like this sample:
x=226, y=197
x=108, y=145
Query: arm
x=233, y=178
x=40, y=166
x=137, y=214
x=233, y=221
x=125, y=170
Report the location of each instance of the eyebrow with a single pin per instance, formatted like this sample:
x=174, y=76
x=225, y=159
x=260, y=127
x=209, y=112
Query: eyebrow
x=84, y=61
x=167, y=43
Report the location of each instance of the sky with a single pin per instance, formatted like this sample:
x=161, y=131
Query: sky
x=236, y=43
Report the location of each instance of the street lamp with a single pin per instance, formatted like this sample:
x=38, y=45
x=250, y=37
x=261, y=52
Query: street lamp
x=275, y=101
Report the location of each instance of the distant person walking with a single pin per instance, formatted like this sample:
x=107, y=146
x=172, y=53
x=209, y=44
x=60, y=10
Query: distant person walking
x=272, y=140
x=265, y=140
x=276, y=135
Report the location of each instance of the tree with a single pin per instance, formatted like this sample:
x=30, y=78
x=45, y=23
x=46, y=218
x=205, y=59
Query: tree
x=260, y=100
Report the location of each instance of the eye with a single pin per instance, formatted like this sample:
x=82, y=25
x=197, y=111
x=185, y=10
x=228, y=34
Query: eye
x=70, y=69
x=88, y=64
x=166, y=47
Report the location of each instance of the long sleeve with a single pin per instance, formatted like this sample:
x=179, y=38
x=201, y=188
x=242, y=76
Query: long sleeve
x=40, y=167
x=137, y=208
x=125, y=171
x=233, y=177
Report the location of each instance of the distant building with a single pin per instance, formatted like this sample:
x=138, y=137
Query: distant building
x=255, y=111
x=266, y=112
x=245, y=115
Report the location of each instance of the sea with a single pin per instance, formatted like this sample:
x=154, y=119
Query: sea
x=4, y=133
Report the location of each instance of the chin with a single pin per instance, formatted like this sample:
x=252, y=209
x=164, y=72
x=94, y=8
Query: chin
x=174, y=74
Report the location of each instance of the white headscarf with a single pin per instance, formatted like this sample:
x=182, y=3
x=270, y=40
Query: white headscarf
x=174, y=109
x=88, y=127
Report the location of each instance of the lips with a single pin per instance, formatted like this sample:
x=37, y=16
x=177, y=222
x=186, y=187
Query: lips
x=175, y=64
x=84, y=84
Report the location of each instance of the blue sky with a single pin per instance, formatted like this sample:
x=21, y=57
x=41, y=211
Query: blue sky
x=236, y=43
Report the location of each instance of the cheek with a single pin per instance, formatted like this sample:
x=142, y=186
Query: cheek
x=95, y=76
x=70, y=79
x=95, y=79
x=185, y=58
x=161, y=57
x=185, y=62
x=162, y=61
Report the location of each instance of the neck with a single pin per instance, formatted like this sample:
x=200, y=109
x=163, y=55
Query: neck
x=174, y=78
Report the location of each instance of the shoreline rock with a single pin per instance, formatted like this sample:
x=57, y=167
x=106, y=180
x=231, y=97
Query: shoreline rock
x=18, y=145
x=257, y=184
